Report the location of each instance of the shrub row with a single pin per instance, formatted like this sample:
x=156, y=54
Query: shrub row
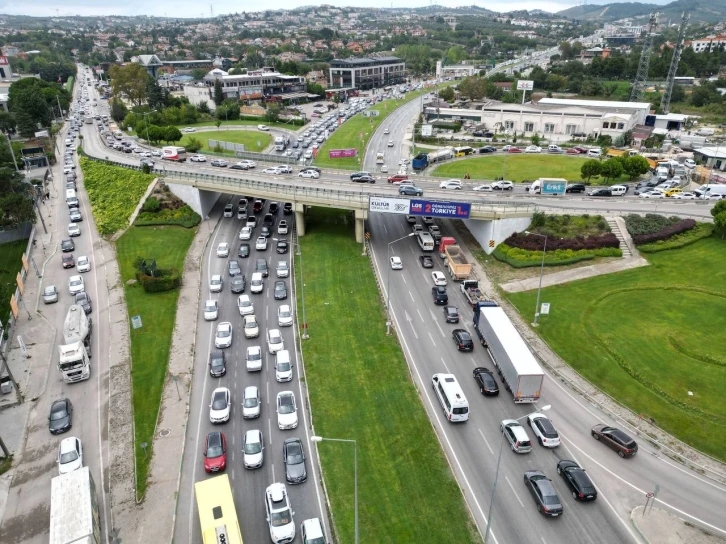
x=184, y=217
x=531, y=242
x=165, y=280
x=699, y=232
x=648, y=224
x=666, y=232
x=522, y=258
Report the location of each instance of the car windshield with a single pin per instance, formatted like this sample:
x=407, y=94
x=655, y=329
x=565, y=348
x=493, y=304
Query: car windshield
x=250, y=402
x=285, y=313
x=251, y=324
x=218, y=362
x=280, y=518
x=275, y=339
x=223, y=333
x=216, y=281
x=254, y=355
x=246, y=303
x=75, y=282
x=294, y=454
x=253, y=447
x=219, y=402
x=214, y=450
x=286, y=405
x=210, y=307
x=58, y=413
x=283, y=367
x=68, y=457
x=49, y=291
x=282, y=266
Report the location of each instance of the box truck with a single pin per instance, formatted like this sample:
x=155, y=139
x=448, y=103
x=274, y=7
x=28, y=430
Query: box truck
x=74, y=517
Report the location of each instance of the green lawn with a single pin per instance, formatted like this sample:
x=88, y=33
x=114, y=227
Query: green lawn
x=648, y=336
x=238, y=122
x=253, y=140
x=10, y=264
x=360, y=389
x=516, y=167
x=150, y=344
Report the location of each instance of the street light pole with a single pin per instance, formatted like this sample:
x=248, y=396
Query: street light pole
x=541, y=273
x=496, y=475
x=388, y=284
x=355, y=472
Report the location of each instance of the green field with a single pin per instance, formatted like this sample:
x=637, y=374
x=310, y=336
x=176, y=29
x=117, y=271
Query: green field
x=649, y=336
x=516, y=167
x=360, y=389
x=240, y=122
x=253, y=140
x=150, y=345
x=11, y=254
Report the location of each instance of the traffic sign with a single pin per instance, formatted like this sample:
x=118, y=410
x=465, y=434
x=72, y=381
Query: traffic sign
x=368, y=235
x=650, y=495
x=491, y=243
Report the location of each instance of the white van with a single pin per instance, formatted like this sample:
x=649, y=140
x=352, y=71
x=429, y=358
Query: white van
x=70, y=195
x=256, y=283
x=553, y=148
x=618, y=190
x=705, y=191
x=451, y=397
x=594, y=152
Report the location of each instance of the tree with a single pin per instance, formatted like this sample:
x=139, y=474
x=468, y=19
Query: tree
x=273, y=113
x=316, y=88
x=172, y=134
x=635, y=166
x=203, y=107
x=130, y=80
x=217, y=123
x=199, y=73
x=29, y=99
x=611, y=169
x=447, y=94
x=7, y=121
x=193, y=145
x=118, y=110
x=719, y=217
x=590, y=168
x=218, y=93
x=155, y=95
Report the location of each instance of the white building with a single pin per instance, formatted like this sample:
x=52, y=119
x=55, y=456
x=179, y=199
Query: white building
x=709, y=43
x=258, y=84
x=456, y=70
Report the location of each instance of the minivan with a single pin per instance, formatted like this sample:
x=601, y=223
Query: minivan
x=70, y=195
x=618, y=190
x=451, y=397
x=256, y=284
x=516, y=436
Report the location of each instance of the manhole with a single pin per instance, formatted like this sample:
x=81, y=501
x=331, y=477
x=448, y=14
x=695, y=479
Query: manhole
x=164, y=432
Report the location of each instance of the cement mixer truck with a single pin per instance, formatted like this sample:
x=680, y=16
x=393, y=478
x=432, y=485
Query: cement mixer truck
x=75, y=352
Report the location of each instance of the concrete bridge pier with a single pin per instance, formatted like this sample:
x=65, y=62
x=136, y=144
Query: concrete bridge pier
x=360, y=225
x=490, y=233
x=300, y=222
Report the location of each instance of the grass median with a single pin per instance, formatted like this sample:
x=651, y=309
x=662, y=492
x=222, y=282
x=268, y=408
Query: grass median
x=651, y=338
x=151, y=343
x=360, y=389
x=253, y=139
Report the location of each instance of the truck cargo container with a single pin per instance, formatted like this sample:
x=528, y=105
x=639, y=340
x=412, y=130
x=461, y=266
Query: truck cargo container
x=459, y=267
x=74, y=517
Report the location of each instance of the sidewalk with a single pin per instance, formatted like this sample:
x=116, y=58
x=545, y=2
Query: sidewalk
x=659, y=527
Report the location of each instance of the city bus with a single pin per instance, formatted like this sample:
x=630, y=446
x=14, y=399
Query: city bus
x=463, y=151
x=217, y=515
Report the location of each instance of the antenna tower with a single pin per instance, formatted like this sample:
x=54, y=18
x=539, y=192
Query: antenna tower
x=642, y=76
x=211, y=11
x=665, y=101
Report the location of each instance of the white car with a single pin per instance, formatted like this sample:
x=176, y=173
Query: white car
x=396, y=263
x=282, y=270
x=75, y=285
x=220, y=405
x=652, y=194
x=245, y=233
x=482, y=188
x=543, y=429
x=684, y=196
x=390, y=143
x=279, y=514
x=533, y=149
x=223, y=250
x=252, y=329
x=689, y=163
x=261, y=243
x=386, y=131
x=284, y=168
x=312, y=174
x=286, y=410
x=271, y=170
x=70, y=455
x=251, y=403
x=439, y=278
x=197, y=158
x=714, y=196
x=283, y=366
x=83, y=264
x=274, y=341
x=253, y=359
x=215, y=284
x=248, y=163
x=384, y=169
x=450, y=184
x=223, y=336
x=245, y=306
x=284, y=316
x=188, y=129
x=308, y=154
x=253, y=448
x=282, y=227
x=264, y=128
x=503, y=185
x=211, y=310
x=74, y=230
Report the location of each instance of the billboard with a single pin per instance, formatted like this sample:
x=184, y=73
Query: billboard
x=525, y=85
x=427, y=130
x=340, y=153
x=434, y=208
x=554, y=186
x=388, y=205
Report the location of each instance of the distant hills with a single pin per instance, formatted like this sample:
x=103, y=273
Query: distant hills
x=705, y=11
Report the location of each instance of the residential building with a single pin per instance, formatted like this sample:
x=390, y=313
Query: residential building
x=366, y=73
x=707, y=44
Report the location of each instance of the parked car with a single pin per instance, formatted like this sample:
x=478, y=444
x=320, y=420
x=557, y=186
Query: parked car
x=615, y=439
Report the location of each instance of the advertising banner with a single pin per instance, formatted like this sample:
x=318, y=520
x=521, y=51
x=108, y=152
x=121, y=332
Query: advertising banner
x=525, y=85
x=388, y=205
x=457, y=210
x=427, y=130
x=340, y=153
x=554, y=187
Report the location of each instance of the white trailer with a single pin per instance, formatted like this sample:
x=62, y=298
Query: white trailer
x=74, y=517
x=517, y=366
x=440, y=155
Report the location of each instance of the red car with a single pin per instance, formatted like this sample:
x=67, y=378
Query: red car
x=68, y=260
x=215, y=452
x=514, y=150
x=398, y=178
x=573, y=151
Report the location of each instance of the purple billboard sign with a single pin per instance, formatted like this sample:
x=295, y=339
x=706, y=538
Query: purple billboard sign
x=340, y=153
x=435, y=208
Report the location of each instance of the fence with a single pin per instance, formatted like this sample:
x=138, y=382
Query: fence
x=228, y=146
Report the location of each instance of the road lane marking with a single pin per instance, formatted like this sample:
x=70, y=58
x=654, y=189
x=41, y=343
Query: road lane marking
x=446, y=367
x=412, y=299
x=432, y=340
x=486, y=441
x=513, y=491
x=419, y=314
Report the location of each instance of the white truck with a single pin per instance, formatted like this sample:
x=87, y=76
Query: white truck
x=75, y=353
x=74, y=517
x=517, y=366
x=279, y=143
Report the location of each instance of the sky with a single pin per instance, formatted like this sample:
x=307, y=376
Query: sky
x=188, y=8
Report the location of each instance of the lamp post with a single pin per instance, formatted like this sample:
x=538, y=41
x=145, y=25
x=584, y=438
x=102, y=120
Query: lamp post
x=496, y=476
x=355, y=471
x=388, y=283
x=147, y=124
x=541, y=272
x=304, y=335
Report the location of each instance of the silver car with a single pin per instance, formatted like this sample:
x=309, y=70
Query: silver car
x=253, y=448
x=50, y=294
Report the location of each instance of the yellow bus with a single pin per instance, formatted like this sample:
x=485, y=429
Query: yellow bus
x=217, y=515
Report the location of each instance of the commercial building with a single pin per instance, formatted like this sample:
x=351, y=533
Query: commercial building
x=366, y=73
x=456, y=70
x=707, y=44
x=258, y=84
x=712, y=157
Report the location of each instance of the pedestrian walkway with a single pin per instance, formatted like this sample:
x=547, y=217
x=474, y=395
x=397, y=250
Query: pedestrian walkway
x=657, y=526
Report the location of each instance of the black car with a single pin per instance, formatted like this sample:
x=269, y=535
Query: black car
x=294, y=458
x=265, y=232
x=244, y=251
x=426, y=261
x=485, y=379
x=238, y=283
x=269, y=219
x=274, y=207
x=451, y=313
x=575, y=188
x=355, y=175
x=462, y=339
x=67, y=245
x=84, y=300
x=287, y=208
x=280, y=290
x=364, y=179
x=261, y=266
x=217, y=364
x=543, y=492
x=282, y=246
x=60, y=419
x=577, y=480
x=411, y=219
x=487, y=149
x=601, y=192
x=237, y=166
x=410, y=190
x=439, y=294
x=234, y=268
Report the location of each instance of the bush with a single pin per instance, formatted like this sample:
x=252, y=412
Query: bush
x=165, y=280
x=531, y=242
x=699, y=232
x=682, y=225
x=152, y=205
x=521, y=258
x=184, y=217
x=649, y=223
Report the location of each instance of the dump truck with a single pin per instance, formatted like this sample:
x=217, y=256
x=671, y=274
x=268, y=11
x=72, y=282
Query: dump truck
x=472, y=293
x=459, y=267
x=445, y=242
x=520, y=371
x=74, y=359
x=74, y=517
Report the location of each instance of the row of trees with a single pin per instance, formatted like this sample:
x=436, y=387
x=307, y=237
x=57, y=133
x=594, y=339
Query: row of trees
x=16, y=198
x=614, y=167
x=32, y=105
